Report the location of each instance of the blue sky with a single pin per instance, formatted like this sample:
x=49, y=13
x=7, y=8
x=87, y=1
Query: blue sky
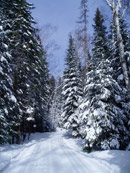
x=63, y=14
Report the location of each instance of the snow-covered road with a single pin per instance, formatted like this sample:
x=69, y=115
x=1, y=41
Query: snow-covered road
x=58, y=153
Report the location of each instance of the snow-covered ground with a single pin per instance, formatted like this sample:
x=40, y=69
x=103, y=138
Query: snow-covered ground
x=58, y=153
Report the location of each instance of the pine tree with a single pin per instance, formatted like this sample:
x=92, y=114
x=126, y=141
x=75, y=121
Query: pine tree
x=102, y=115
x=71, y=90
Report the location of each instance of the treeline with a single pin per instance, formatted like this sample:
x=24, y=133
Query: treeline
x=96, y=104
x=24, y=74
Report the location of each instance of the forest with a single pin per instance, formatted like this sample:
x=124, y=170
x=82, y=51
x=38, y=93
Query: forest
x=92, y=97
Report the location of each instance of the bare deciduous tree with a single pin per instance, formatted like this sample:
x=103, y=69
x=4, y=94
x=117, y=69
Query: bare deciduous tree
x=83, y=30
x=115, y=7
x=46, y=34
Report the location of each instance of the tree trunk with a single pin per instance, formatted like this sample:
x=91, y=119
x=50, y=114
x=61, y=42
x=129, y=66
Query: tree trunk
x=121, y=46
x=85, y=46
x=115, y=15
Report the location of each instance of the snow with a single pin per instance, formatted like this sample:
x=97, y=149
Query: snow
x=30, y=110
x=1, y=28
x=13, y=98
x=1, y=70
x=117, y=98
x=120, y=77
x=30, y=119
x=9, y=56
x=5, y=45
x=114, y=143
x=24, y=46
x=6, y=111
x=3, y=59
x=58, y=152
x=106, y=94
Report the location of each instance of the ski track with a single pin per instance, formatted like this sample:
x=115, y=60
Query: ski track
x=52, y=154
x=88, y=163
x=77, y=166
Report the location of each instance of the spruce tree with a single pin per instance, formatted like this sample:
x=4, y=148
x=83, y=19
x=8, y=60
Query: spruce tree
x=29, y=72
x=72, y=91
x=9, y=120
x=102, y=115
x=116, y=63
x=56, y=108
x=41, y=86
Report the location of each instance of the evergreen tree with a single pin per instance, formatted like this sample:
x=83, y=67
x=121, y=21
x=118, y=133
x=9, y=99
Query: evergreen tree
x=116, y=63
x=102, y=115
x=9, y=120
x=27, y=69
x=72, y=91
x=57, y=104
x=42, y=95
x=31, y=76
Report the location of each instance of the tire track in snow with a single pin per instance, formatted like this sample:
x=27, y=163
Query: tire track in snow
x=25, y=161
x=30, y=167
x=66, y=154
x=55, y=144
x=40, y=164
x=50, y=157
x=11, y=158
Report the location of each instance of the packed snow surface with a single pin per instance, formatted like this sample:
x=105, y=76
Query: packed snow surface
x=58, y=152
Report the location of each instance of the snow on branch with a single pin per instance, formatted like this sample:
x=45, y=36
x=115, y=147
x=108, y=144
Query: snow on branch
x=109, y=2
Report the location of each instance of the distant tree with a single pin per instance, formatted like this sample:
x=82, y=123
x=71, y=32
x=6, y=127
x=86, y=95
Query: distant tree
x=52, y=85
x=56, y=108
x=72, y=90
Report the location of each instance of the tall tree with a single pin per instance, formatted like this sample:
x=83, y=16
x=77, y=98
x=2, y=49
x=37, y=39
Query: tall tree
x=29, y=71
x=9, y=119
x=115, y=53
x=115, y=7
x=103, y=117
x=72, y=91
x=82, y=33
x=57, y=104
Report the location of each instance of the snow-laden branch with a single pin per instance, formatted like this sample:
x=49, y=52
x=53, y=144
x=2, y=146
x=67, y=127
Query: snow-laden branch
x=109, y=2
